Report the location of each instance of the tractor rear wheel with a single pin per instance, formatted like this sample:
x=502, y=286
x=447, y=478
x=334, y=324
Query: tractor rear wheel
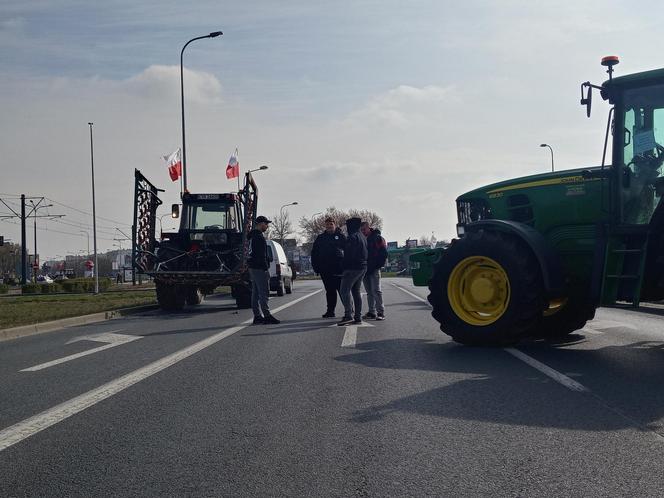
x=570, y=317
x=487, y=290
x=171, y=297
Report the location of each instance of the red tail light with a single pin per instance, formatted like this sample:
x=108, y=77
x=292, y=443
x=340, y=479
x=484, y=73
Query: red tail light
x=194, y=247
x=278, y=269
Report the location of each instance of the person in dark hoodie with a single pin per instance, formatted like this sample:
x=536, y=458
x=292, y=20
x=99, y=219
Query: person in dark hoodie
x=260, y=278
x=377, y=255
x=327, y=255
x=354, y=266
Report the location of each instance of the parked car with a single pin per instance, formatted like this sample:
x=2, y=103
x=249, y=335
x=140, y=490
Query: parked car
x=44, y=279
x=281, y=275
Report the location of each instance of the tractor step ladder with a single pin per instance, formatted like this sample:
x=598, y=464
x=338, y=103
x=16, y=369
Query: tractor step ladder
x=624, y=262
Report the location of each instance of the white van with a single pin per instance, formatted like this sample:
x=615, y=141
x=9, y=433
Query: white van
x=281, y=275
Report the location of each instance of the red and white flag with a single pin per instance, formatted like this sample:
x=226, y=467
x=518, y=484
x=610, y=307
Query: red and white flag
x=174, y=164
x=233, y=168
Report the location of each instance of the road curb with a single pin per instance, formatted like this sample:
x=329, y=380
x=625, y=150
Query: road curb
x=42, y=328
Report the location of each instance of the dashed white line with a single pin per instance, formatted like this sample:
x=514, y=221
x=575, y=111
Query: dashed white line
x=28, y=427
x=350, y=337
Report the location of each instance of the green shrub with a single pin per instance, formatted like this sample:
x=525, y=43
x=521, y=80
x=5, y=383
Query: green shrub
x=30, y=289
x=4, y=288
x=50, y=288
x=72, y=286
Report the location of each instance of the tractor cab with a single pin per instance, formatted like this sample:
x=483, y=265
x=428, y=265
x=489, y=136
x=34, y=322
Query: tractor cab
x=634, y=236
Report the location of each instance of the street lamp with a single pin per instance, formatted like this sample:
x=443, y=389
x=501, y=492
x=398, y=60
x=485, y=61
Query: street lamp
x=161, y=228
x=184, y=147
x=94, y=212
x=551, y=149
x=285, y=205
x=257, y=169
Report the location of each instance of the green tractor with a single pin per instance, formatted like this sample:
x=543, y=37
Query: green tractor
x=537, y=255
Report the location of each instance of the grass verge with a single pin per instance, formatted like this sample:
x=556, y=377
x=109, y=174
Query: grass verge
x=26, y=310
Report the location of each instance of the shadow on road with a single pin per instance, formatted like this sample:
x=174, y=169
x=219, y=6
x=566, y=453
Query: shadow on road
x=625, y=379
x=292, y=327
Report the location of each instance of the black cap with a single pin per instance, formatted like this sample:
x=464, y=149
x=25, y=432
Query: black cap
x=262, y=219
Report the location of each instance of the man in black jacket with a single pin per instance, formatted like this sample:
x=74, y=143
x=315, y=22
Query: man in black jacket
x=377, y=255
x=260, y=278
x=326, y=257
x=354, y=265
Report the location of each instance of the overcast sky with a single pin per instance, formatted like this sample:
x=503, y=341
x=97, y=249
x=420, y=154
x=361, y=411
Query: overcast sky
x=393, y=106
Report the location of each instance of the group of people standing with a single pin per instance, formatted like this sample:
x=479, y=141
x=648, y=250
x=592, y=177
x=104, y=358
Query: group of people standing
x=345, y=262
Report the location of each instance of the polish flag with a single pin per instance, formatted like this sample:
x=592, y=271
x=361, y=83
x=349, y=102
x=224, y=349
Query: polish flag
x=174, y=164
x=233, y=168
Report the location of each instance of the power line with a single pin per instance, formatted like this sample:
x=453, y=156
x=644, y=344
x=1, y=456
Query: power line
x=87, y=213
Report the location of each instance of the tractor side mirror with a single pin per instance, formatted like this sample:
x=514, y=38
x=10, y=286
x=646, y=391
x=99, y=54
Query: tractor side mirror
x=588, y=99
x=175, y=211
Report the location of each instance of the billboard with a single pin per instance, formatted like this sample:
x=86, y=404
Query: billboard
x=392, y=245
x=411, y=243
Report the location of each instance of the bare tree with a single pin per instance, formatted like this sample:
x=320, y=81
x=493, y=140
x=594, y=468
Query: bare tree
x=311, y=227
x=281, y=227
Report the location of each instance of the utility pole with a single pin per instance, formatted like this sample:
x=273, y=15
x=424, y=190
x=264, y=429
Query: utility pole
x=23, y=216
x=94, y=213
x=23, y=244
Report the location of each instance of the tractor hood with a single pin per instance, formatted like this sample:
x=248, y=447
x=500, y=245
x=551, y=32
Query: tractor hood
x=528, y=182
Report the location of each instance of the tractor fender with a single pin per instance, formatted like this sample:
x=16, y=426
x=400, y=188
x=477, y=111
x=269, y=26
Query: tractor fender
x=548, y=259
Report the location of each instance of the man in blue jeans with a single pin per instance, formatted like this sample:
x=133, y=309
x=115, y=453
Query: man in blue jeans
x=377, y=255
x=354, y=266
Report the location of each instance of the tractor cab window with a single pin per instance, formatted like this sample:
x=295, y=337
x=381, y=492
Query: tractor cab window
x=643, y=153
x=211, y=216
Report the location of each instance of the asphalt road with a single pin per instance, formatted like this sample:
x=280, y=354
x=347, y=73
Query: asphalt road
x=202, y=403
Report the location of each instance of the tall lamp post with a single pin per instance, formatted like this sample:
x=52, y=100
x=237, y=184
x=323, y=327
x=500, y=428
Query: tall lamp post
x=551, y=149
x=94, y=212
x=184, y=147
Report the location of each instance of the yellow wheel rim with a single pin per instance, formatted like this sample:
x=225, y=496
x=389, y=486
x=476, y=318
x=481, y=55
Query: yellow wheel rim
x=478, y=290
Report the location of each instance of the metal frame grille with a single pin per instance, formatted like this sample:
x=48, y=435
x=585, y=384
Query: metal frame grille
x=146, y=202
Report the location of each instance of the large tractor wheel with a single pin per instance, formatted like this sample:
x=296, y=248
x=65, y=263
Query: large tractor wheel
x=170, y=296
x=487, y=290
x=242, y=296
x=562, y=321
x=194, y=296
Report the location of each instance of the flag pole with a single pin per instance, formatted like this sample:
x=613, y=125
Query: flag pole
x=181, y=179
x=238, y=170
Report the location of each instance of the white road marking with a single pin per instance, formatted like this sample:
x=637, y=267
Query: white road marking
x=111, y=338
x=419, y=298
x=350, y=335
x=548, y=371
x=30, y=426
